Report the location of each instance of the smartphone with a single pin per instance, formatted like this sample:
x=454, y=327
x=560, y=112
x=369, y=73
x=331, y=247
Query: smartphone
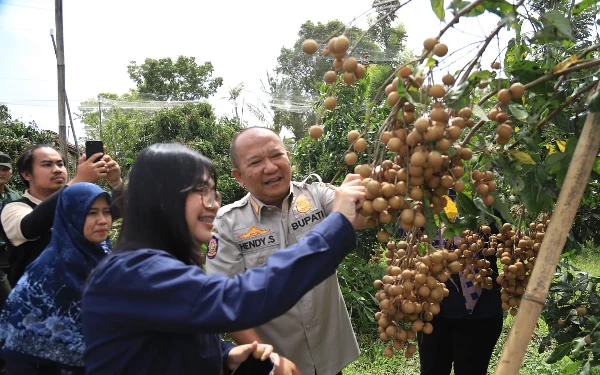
x=94, y=147
x=253, y=366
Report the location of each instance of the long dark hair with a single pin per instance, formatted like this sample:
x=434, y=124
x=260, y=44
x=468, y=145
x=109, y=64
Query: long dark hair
x=155, y=197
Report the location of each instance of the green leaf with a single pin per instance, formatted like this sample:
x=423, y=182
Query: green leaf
x=597, y=165
x=480, y=113
x=586, y=370
x=583, y=5
x=523, y=157
x=422, y=247
x=556, y=28
x=481, y=75
x=431, y=229
x=458, y=96
x=518, y=111
x=502, y=207
x=465, y=205
x=431, y=62
x=559, y=352
x=438, y=9
x=594, y=103
x=500, y=8
x=579, y=345
x=571, y=367
x=552, y=162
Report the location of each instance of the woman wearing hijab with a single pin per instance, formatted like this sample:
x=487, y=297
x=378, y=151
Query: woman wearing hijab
x=150, y=309
x=40, y=326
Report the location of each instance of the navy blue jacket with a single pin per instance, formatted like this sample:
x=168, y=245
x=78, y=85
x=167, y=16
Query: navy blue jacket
x=145, y=312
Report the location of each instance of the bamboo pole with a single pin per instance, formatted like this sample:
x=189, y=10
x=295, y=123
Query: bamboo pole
x=556, y=235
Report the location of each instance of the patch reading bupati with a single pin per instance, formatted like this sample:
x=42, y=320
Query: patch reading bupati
x=213, y=246
x=308, y=220
x=254, y=231
x=303, y=204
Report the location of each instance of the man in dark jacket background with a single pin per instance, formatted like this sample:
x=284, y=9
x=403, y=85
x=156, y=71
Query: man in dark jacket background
x=6, y=196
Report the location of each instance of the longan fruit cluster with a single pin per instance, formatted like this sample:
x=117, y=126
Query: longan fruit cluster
x=518, y=253
x=505, y=96
x=410, y=292
x=484, y=185
x=350, y=68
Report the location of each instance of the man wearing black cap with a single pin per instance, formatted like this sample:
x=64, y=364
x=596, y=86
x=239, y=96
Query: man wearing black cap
x=6, y=195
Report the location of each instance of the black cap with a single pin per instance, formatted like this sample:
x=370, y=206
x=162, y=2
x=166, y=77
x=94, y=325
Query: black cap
x=5, y=161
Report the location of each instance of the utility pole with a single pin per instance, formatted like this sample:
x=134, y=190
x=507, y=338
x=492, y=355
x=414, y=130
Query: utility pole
x=60, y=68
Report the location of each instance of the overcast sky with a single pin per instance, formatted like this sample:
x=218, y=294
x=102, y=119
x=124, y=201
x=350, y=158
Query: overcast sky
x=241, y=38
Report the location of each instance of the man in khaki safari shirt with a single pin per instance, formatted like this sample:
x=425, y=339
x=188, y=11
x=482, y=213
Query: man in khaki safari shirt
x=315, y=334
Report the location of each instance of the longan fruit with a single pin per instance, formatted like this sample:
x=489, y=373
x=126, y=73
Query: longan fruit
x=351, y=158
x=488, y=200
x=501, y=117
x=448, y=79
x=517, y=90
x=258, y=352
x=495, y=65
x=309, y=46
x=405, y=71
x=465, y=113
x=440, y=49
x=466, y=154
x=338, y=64
x=388, y=352
x=349, y=78
x=581, y=311
x=504, y=96
x=429, y=43
x=330, y=77
x=360, y=71
x=360, y=145
x=353, y=135
x=437, y=91
x=342, y=43
x=316, y=131
x=393, y=98
x=459, y=186
x=330, y=103
x=504, y=131
x=493, y=113
x=350, y=65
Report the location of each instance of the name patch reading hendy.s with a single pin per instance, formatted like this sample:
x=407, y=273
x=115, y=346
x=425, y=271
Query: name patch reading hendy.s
x=256, y=242
x=308, y=219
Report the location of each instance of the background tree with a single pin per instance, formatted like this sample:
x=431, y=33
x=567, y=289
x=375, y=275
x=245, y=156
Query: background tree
x=294, y=87
x=16, y=135
x=183, y=79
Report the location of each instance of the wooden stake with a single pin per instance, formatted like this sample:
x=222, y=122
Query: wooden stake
x=568, y=202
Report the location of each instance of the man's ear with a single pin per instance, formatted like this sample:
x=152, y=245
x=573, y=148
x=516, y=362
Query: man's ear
x=26, y=176
x=238, y=176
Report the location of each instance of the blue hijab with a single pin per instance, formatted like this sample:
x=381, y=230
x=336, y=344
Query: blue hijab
x=41, y=319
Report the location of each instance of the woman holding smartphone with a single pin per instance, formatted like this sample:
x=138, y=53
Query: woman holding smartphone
x=151, y=309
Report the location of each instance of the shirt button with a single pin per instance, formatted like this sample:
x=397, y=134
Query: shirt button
x=261, y=260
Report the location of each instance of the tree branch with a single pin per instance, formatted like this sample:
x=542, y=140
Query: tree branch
x=584, y=65
x=559, y=109
x=454, y=20
x=480, y=52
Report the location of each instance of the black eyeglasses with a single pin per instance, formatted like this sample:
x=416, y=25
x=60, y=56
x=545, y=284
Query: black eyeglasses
x=209, y=196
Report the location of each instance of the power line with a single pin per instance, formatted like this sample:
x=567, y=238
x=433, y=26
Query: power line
x=24, y=79
x=24, y=6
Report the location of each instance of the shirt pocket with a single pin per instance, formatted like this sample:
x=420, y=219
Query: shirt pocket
x=257, y=249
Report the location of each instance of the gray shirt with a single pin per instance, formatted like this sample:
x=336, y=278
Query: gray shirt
x=315, y=334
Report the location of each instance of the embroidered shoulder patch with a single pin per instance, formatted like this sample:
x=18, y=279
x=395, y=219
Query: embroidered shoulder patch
x=212, y=248
x=253, y=231
x=303, y=204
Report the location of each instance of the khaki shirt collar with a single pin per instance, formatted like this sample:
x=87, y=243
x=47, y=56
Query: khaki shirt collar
x=31, y=197
x=257, y=205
